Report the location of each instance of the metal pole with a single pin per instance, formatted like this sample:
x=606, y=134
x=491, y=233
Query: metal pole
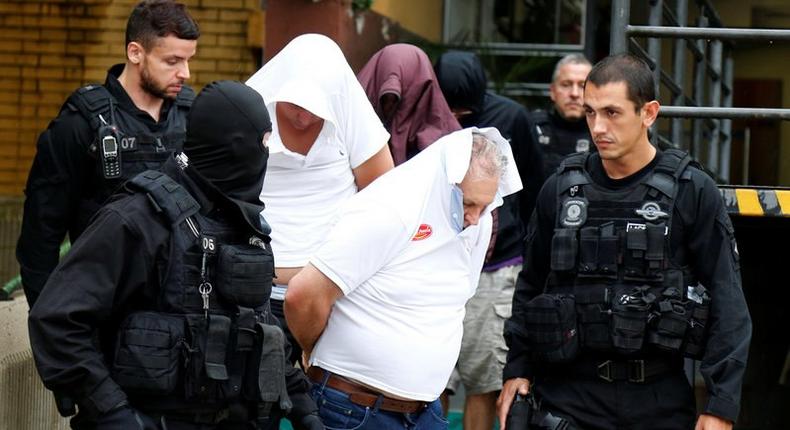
x=715, y=101
x=557, y=11
x=699, y=90
x=679, y=74
x=618, y=39
x=726, y=124
x=768, y=35
x=747, y=143
x=723, y=112
x=654, y=50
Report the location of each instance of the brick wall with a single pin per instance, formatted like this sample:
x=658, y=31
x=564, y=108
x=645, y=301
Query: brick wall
x=48, y=48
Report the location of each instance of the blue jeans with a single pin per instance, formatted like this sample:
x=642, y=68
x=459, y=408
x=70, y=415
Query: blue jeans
x=338, y=413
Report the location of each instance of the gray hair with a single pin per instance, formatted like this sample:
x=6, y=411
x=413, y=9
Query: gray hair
x=569, y=59
x=487, y=160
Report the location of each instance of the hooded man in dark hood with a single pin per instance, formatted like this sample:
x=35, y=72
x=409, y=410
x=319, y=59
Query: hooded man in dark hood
x=163, y=305
x=463, y=81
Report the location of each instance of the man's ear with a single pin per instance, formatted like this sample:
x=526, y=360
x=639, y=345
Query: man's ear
x=135, y=52
x=650, y=113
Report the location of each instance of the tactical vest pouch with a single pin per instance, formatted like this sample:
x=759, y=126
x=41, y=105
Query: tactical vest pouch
x=654, y=255
x=699, y=308
x=244, y=274
x=550, y=324
x=198, y=386
x=270, y=367
x=630, y=309
x=148, y=352
x=634, y=258
x=564, y=247
x=671, y=318
x=593, y=314
x=588, y=250
x=608, y=257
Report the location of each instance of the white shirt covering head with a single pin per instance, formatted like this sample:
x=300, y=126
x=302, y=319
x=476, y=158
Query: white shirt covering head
x=406, y=267
x=302, y=192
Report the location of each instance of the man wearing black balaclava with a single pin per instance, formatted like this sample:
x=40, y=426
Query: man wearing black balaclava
x=160, y=312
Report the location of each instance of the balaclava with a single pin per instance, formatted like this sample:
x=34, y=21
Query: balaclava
x=224, y=142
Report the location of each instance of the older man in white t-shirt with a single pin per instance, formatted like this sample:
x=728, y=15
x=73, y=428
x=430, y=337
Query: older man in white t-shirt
x=379, y=308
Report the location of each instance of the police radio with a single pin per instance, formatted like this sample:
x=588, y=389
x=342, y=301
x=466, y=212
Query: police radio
x=110, y=153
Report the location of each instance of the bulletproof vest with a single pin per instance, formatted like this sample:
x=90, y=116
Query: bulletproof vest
x=214, y=303
x=553, y=149
x=138, y=148
x=613, y=278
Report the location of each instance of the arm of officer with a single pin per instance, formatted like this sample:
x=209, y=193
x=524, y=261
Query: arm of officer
x=375, y=166
x=308, y=302
x=715, y=256
x=518, y=369
x=52, y=198
x=105, y=271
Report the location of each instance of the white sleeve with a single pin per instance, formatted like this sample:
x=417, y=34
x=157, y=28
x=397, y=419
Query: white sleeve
x=364, y=134
x=363, y=241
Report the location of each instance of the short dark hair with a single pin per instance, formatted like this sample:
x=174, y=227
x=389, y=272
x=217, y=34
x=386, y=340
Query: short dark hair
x=152, y=19
x=626, y=68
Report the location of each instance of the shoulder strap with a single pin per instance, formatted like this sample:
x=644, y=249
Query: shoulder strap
x=571, y=172
x=166, y=195
x=91, y=101
x=185, y=98
x=668, y=171
x=540, y=117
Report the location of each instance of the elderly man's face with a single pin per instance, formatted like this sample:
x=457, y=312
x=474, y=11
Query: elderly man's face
x=478, y=194
x=567, y=90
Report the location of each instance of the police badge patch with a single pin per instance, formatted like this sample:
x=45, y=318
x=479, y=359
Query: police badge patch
x=651, y=211
x=574, y=212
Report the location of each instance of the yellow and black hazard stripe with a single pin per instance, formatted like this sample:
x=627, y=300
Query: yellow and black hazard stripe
x=756, y=201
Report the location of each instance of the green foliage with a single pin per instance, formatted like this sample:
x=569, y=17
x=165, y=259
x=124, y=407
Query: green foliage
x=361, y=5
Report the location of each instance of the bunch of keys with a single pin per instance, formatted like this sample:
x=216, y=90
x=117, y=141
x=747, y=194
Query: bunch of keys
x=209, y=247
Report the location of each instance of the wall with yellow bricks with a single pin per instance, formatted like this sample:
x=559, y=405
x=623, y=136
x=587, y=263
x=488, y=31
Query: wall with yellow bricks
x=421, y=17
x=48, y=48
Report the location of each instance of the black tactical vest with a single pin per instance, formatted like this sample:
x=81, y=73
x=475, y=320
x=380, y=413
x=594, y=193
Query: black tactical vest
x=544, y=133
x=614, y=285
x=139, y=148
x=210, y=338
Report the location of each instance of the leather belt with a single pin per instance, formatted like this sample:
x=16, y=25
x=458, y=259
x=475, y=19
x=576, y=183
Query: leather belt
x=362, y=395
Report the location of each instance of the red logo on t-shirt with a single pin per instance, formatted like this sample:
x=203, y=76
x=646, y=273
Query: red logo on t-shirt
x=423, y=232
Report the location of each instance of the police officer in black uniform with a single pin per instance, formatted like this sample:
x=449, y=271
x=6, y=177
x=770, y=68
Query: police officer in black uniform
x=159, y=315
x=562, y=131
x=631, y=266
x=106, y=134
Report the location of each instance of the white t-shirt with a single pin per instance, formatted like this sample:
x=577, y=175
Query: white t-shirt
x=406, y=271
x=302, y=193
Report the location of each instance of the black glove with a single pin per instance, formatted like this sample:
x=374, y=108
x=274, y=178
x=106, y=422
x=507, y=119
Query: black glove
x=308, y=422
x=121, y=417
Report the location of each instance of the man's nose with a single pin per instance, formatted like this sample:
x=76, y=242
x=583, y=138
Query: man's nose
x=183, y=71
x=577, y=90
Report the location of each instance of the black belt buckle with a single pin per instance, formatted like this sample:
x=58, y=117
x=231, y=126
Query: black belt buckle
x=605, y=371
x=636, y=371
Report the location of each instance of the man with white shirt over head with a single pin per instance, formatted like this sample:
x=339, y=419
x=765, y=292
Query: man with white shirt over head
x=379, y=308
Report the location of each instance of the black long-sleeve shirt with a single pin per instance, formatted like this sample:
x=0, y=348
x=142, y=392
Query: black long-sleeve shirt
x=701, y=226
x=61, y=192
x=115, y=268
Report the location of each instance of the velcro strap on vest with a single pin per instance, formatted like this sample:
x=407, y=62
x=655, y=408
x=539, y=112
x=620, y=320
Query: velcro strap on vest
x=91, y=101
x=245, y=323
x=271, y=369
x=170, y=197
x=217, y=347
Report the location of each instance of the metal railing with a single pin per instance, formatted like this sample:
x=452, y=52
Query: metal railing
x=711, y=116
